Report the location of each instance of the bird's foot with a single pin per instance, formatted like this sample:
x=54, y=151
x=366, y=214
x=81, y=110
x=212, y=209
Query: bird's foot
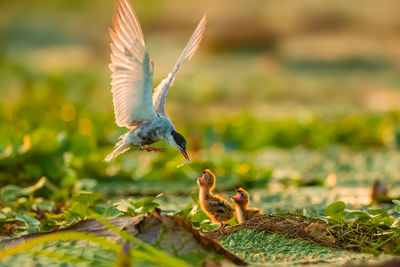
x=149, y=149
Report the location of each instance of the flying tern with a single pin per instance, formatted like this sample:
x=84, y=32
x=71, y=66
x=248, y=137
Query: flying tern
x=135, y=107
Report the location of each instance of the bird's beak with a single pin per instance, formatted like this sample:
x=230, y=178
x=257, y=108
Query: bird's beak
x=186, y=157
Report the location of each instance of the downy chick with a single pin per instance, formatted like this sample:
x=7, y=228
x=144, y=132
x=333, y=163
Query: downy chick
x=243, y=211
x=216, y=207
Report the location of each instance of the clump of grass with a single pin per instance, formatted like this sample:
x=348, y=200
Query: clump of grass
x=372, y=231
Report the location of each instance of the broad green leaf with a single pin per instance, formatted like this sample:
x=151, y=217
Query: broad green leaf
x=335, y=208
x=335, y=211
x=380, y=212
x=200, y=216
x=185, y=212
x=107, y=210
x=11, y=192
x=111, y=211
x=45, y=205
x=148, y=207
x=361, y=215
x=79, y=209
x=146, y=201
x=195, y=197
x=86, y=198
x=32, y=223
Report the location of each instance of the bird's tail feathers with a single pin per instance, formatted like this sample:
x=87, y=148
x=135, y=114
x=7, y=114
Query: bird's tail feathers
x=121, y=148
x=122, y=138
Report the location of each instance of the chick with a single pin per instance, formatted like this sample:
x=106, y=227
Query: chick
x=216, y=207
x=243, y=211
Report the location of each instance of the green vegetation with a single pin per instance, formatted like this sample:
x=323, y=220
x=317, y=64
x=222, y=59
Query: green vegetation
x=302, y=110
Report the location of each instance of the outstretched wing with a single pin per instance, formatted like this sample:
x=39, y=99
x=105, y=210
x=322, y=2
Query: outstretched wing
x=160, y=93
x=132, y=77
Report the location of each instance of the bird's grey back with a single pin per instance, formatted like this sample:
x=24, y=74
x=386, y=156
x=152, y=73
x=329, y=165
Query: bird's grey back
x=153, y=130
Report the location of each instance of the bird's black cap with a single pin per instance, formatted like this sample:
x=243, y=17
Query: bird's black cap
x=179, y=140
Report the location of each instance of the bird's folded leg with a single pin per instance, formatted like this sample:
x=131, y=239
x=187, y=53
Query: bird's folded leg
x=149, y=149
x=155, y=149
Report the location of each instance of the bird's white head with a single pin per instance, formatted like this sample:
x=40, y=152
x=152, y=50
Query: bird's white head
x=178, y=141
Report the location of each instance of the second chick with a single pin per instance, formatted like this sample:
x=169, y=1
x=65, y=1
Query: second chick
x=243, y=211
x=216, y=207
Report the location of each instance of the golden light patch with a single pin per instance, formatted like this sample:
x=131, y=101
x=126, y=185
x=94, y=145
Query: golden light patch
x=243, y=169
x=85, y=126
x=27, y=143
x=331, y=180
x=218, y=148
x=67, y=112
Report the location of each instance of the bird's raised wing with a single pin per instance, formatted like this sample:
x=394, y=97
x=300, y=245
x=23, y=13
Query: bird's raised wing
x=132, y=77
x=161, y=91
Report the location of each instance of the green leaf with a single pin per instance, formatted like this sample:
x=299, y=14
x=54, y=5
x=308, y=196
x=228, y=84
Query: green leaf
x=108, y=210
x=126, y=206
x=146, y=201
x=199, y=216
x=357, y=213
x=185, y=212
x=31, y=223
x=335, y=211
x=396, y=202
x=80, y=210
x=195, y=198
x=86, y=198
x=111, y=211
x=335, y=208
x=11, y=192
x=148, y=207
x=380, y=212
x=45, y=205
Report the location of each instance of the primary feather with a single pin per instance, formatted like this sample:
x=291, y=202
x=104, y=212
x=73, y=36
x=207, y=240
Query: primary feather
x=132, y=77
x=161, y=91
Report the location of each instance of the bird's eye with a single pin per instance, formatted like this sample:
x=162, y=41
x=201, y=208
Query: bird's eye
x=241, y=194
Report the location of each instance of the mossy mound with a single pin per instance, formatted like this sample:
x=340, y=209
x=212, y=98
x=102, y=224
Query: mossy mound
x=370, y=238
x=270, y=249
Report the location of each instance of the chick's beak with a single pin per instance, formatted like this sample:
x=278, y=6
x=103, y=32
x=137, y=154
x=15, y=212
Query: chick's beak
x=235, y=197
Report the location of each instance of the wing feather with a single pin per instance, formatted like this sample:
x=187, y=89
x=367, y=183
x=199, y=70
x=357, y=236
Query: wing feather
x=132, y=72
x=161, y=91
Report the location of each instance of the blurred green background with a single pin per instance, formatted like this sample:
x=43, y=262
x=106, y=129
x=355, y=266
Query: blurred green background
x=279, y=95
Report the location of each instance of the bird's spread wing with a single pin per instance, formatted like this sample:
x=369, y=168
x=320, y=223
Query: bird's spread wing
x=160, y=93
x=132, y=77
